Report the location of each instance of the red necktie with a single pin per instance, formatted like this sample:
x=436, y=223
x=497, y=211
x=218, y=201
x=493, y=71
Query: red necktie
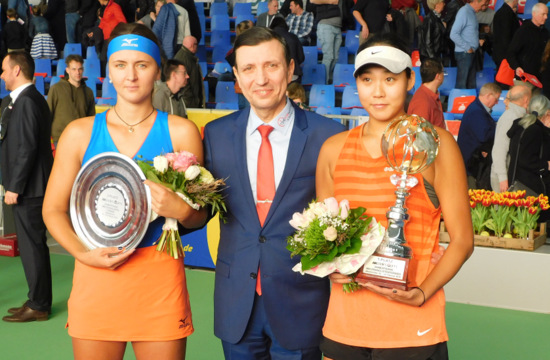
x=265, y=183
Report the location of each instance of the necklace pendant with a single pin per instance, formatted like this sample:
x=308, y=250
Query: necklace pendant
x=131, y=129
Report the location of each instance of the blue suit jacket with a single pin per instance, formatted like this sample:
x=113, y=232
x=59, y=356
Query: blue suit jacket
x=477, y=131
x=295, y=304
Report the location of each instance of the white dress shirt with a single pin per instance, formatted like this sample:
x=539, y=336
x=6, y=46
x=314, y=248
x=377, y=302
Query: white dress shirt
x=279, y=139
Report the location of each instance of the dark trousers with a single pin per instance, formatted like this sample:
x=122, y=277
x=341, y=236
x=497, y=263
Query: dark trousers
x=35, y=255
x=465, y=72
x=259, y=342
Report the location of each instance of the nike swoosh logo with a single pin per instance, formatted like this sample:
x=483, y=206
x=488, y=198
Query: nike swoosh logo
x=422, y=333
x=375, y=52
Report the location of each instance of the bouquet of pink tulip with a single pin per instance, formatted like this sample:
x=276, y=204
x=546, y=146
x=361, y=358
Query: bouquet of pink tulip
x=182, y=173
x=331, y=237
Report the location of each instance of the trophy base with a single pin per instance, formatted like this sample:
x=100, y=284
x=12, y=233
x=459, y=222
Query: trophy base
x=385, y=271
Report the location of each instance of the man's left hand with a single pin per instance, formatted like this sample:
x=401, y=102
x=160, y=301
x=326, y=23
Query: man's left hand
x=10, y=198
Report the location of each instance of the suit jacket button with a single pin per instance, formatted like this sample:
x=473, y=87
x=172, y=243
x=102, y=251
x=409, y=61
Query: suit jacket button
x=262, y=239
x=253, y=275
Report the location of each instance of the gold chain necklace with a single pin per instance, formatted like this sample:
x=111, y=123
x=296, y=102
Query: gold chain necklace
x=131, y=126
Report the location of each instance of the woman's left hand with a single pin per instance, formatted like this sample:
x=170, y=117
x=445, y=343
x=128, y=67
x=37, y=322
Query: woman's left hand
x=413, y=296
x=165, y=202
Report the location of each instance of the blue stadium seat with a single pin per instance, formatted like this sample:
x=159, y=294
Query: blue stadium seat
x=484, y=76
x=314, y=74
x=343, y=55
x=200, y=7
x=227, y=106
x=417, y=79
x=350, y=99
x=242, y=9
x=219, y=22
x=91, y=53
x=43, y=66
x=72, y=48
x=448, y=116
x=262, y=7
x=343, y=76
x=206, y=93
x=202, y=21
x=39, y=84
x=219, y=52
x=108, y=90
x=201, y=52
x=449, y=82
x=352, y=41
x=92, y=85
x=60, y=70
x=54, y=80
x=204, y=68
x=310, y=54
x=458, y=101
x=218, y=8
x=92, y=69
x=225, y=92
x=488, y=61
x=321, y=95
x=220, y=38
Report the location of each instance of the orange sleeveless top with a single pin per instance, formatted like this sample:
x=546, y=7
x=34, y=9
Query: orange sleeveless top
x=364, y=318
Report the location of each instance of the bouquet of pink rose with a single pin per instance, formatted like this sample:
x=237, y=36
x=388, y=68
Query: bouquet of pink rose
x=182, y=173
x=331, y=237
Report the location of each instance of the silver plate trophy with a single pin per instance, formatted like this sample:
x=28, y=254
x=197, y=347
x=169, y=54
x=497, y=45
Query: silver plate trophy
x=110, y=205
x=410, y=144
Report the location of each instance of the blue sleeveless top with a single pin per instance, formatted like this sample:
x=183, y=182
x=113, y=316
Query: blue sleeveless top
x=157, y=142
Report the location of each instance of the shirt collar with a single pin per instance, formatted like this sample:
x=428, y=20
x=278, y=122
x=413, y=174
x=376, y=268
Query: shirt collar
x=15, y=93
x=282, y=122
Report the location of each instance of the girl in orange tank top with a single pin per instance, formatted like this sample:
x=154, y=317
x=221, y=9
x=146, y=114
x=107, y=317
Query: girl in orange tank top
x=377, y=322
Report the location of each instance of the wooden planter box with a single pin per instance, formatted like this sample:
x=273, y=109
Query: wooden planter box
x=535, y=240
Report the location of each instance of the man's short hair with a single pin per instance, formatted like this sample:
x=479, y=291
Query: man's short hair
x=171, y=66
x=298, y=2
x=11, y=13
x=518, y=92
x=536, y=8
x=296, y=91
x=74, y=57
x=25, y=62
x=490, y=88
x=429, y=69
x=258, y=35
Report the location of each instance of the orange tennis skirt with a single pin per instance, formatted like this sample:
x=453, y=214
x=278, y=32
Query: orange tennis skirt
x=145, y=299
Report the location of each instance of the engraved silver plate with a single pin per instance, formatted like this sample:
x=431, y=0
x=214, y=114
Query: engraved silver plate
x=110, y=205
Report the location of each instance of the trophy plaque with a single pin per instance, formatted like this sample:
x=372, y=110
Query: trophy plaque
x=410, y=144
x=110, y=205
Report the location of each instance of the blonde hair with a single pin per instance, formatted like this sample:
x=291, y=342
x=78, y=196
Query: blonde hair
x=538, y=107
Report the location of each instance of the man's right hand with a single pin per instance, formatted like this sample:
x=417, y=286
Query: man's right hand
x=519, y=71
x=503, y=186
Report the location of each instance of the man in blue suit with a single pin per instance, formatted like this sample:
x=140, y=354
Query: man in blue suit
x=477, y=134
x=262, y=309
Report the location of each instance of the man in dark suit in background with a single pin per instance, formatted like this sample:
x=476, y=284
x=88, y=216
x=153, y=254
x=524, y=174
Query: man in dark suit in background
x=262, y=309
x=26, y=164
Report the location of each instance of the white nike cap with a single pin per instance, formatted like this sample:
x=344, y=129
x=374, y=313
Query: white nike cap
x=389, y=57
